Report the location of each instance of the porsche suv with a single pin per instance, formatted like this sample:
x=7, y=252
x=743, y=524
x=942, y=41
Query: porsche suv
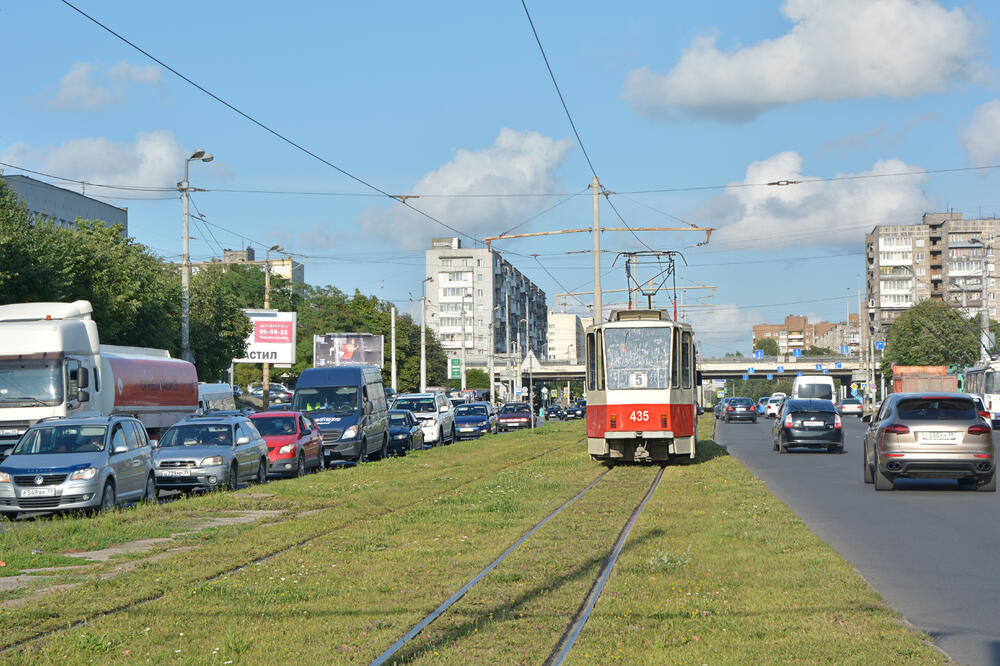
x=929, y=436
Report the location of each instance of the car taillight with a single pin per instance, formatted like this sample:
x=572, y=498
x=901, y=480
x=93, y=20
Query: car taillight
x=614, y=421
x=663, y=420
x=897, y=429
x=836, y=421
x=985, y=415
x=980, y=429
x=730, y=408
x=788, y=420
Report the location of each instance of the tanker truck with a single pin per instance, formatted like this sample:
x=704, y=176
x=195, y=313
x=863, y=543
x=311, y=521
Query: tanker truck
x=53, y=365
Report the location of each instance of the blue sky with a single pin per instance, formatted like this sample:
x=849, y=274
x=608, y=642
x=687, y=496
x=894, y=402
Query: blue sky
x=451, y=98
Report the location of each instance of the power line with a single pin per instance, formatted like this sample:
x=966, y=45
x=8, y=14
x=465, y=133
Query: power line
x=275, y=133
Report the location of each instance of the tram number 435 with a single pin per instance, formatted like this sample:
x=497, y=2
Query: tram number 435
x=639, y=415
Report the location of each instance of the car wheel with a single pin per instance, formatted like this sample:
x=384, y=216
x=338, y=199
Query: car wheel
x=869, y=477
x=453, y=434
x=300, y=465
x=261, y=471
x=320, y=461
x=990, y=486
x=782, y=448
x=362, y=453
x=882, y=482
x=234, y=477
x=774, y=444
x=150, y=494
x=384, y=451
x=108, y=499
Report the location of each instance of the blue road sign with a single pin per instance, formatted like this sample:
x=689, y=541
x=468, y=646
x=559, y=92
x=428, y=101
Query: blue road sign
x=798, y=374
x=749, y=371
x=770, y=376
x=880, y=345
x=758, y=353
x=781, y=368
x=796, y=352
x=825, y=371
x=838, y=365
x=819, y=366
x=745, y=377
x=854, y=392
x=845, y=350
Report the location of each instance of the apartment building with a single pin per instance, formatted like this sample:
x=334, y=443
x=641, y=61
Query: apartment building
x=62, y=206
x=475, y=296
x=565, y=338
x=282, y=266
x=843, y=334
x=795, y=333
x=942, y=259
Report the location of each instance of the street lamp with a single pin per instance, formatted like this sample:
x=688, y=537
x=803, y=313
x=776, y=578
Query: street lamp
x=423, y=334
x=185, y=187
x=266, y=379
x=984, y=315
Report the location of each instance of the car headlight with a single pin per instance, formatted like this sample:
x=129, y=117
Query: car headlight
x=287, y=448
x=4, y=477
x=427, y=423
x=83, y=474
x=350, y=433
x=399, y=436
x=210, y=461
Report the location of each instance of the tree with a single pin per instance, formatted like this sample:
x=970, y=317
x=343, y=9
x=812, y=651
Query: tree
x=474, y=379
x=735, y=354
x=930, y=333
x=768, y=345
x=817, y=351
x=219, y=328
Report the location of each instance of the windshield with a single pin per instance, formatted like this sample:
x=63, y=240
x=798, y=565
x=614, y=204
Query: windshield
x=398, y=420
x=61, y=439
x=820, y=391
x=269, y=426
x=514, y=408
x=851, y=401
x=415, y=404
x=470, y=410
x=337, y=399
x=198, y=434
x=637, y=358
x=31, y=382
x=992, y=383
x=743, y=402
x=937, y=409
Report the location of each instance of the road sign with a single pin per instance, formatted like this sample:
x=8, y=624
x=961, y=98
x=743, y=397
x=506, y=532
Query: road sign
x=845, y=350
x=854, y=386
x=854, y=392
x=758, y=353
x=880, y=345
x=838, y=365
x=565, y=391
x=798, y=374
x=796, y=352
x=749, y=371
x=746, y=377
x=770, y=376
x=825, y=371
x=720, y=394
x=517, y=390
x=819, y=366
x=781, y=368
x=864, y=386
x=545, y=391
x=455, y=368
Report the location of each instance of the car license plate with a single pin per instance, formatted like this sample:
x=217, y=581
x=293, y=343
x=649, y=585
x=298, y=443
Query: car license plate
x=173, y=472
x=466, y=429
x=741, y=409
x=813, y=423
x=38, y=492
x=937, y=436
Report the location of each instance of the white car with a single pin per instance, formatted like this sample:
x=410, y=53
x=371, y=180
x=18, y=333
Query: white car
x=773, y=406
x=851, y=406
x=435, y=413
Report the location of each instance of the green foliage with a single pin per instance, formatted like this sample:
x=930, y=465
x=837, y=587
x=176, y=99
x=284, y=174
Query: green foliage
x=818, y=351
x=768, y=345
x=930, y=333
x=219, y=329
x=474, y=379
x=735, y=354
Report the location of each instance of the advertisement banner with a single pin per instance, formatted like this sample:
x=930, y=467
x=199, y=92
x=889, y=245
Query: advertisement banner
x=272, y=339
x=334, y=349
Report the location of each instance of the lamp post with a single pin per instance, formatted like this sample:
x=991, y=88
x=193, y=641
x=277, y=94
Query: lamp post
x=984, y=314
x=266, y=379
x=185, y=188
x=423, y=334
x=464, y=296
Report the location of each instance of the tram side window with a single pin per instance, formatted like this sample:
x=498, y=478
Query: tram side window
x=686, y=360
x=676, y=379
x=600, y=360
x=591, y=363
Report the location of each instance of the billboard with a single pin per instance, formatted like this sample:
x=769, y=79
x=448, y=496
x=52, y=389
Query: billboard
x=347, y=349
x=272, y=339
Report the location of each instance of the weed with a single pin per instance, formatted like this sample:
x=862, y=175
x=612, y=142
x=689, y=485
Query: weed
x=663, y=561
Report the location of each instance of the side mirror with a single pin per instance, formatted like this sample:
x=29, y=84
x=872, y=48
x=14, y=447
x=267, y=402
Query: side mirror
x=240, y=441
x=84, y=378
x=154, y=443
x=7, y=452
x=121, y=448
x=867, y=418
x=442, y=409
x=83, y=396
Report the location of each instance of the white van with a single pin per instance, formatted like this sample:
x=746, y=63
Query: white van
x=215, y=397
x=819, y=387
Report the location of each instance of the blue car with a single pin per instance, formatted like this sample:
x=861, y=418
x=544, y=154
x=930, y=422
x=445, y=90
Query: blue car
x=475, y=419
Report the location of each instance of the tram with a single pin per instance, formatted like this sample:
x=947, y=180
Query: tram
x=641, y=388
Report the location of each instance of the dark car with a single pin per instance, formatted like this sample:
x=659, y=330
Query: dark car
x=405, y=433
x=720, y=407
x=214, y=451
x=740, y=409
x=475, y=419
x=554, y=412
x=514, y=416
x=576, y=411
x=808, y=423
x=294, y=442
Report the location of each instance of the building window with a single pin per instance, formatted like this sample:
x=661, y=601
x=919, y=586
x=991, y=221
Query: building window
x=921, y=270
x=479, y=292
x=919, y=256
x=918, y=242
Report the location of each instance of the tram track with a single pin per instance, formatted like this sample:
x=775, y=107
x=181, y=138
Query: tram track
x=136, y=603
x=568, y=638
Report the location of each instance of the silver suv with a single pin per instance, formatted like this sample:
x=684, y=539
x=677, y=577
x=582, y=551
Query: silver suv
x=217, y=450
x=435, y=413
x=77, y=463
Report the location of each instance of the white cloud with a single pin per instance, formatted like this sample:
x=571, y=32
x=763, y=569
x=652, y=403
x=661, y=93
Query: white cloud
x=981, y=135
x=517, y=162
x=89, y=87
x=153, y=159
x=836, y=49
x=825, y=214
x=725, y=328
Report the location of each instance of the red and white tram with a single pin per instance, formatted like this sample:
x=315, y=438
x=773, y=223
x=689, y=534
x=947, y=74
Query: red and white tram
x=641, y=385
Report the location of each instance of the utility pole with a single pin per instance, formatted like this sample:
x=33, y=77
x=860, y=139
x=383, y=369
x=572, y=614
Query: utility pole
x=266, y=379
x=510, y=378
x=527, y=336
x=392, y=319
x=185, y=187
x=463, y=341
x=984, y=315
x=492, y=349
x=423, y=335
x=598, y=305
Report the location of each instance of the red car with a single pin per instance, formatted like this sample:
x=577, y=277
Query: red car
x=294, y=442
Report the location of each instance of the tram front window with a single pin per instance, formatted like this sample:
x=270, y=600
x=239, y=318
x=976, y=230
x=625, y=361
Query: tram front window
x=992, y=383
x=637, y=358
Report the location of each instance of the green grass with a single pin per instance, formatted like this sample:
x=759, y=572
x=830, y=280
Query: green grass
x=716, y=571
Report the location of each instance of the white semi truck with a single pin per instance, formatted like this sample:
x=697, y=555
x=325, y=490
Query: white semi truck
x=52, y=364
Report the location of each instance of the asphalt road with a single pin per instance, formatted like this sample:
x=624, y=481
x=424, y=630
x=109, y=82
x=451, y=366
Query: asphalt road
x=929, y=547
